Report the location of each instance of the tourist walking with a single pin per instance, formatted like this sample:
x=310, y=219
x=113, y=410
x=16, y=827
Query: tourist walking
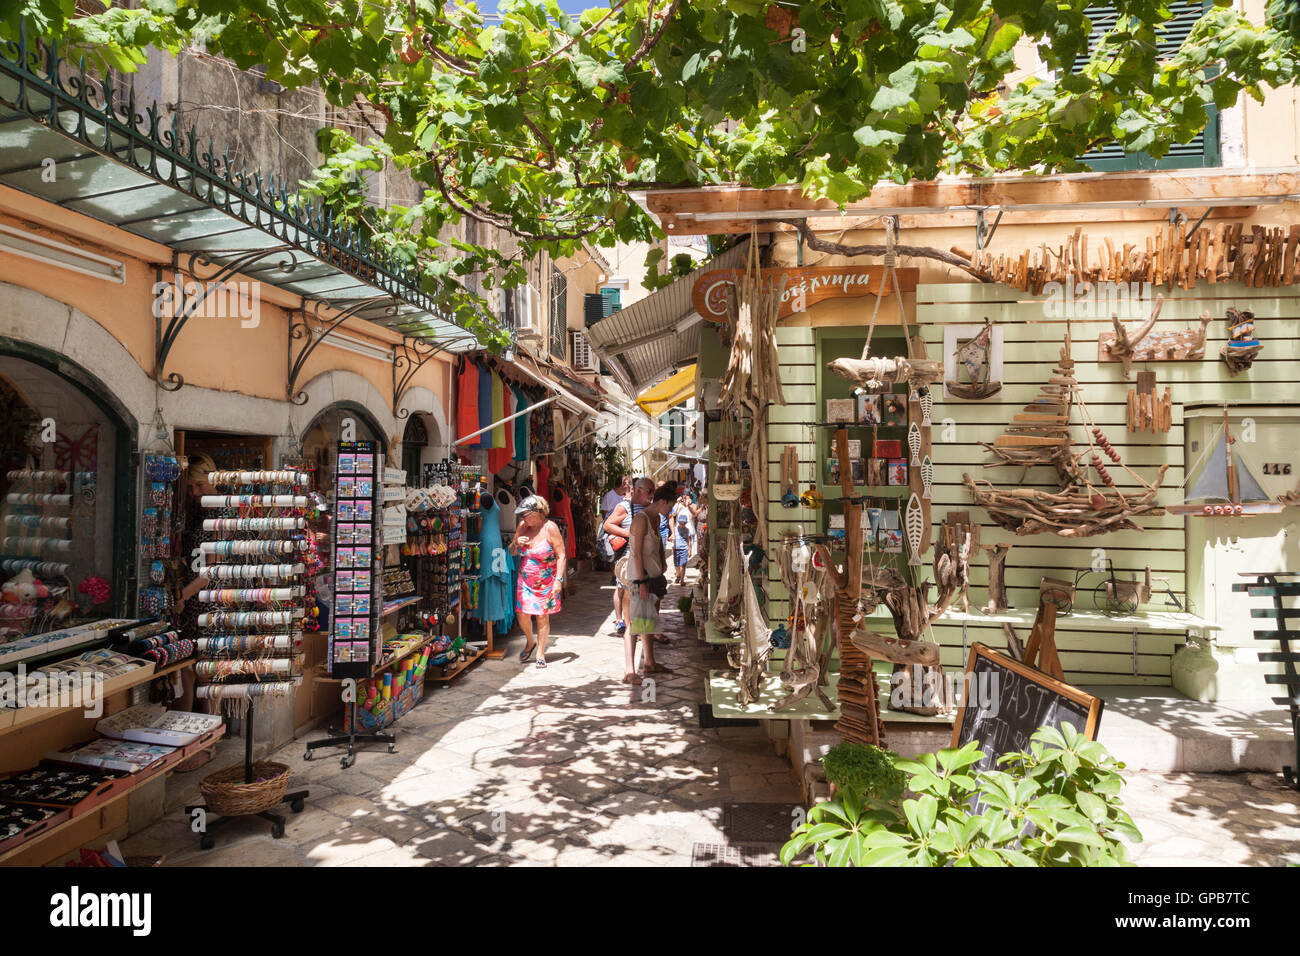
x=616, y=526
x=540, y=546
x=683, y=531
x=645, y=574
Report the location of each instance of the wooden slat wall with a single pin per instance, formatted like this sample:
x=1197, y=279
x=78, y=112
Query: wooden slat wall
x=1033, y=341
x=798, y=353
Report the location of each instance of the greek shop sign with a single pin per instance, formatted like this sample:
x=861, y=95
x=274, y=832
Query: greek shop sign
x=800, y=288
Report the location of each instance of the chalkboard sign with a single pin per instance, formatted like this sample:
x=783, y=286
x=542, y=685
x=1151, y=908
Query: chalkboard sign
x=1005, y=702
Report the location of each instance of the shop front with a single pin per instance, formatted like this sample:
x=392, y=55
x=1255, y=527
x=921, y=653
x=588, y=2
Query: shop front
x=173, y=391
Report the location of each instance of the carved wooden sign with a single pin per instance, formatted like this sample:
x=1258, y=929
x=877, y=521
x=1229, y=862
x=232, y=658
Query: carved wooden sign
x=800, y=288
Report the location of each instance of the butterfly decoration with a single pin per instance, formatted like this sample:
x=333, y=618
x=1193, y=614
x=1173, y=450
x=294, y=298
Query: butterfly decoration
x=79, y=455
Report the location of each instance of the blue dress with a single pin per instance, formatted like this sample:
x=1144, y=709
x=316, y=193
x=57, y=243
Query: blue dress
x=496, y=570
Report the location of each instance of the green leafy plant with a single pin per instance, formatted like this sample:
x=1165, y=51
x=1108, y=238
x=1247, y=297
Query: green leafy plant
x=1055, y=805
x=866, y=770
x=611, y=461
x=684, y=603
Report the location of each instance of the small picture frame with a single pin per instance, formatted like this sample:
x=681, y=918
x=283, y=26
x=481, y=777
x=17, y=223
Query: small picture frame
x=859, y=471
x=841, y=410
x=897, y=472
x=887, y=448
x=891, y=541
x=855, y=447
x=832, y=471
x=876, y=471
x=869, y=411
x=895, y=411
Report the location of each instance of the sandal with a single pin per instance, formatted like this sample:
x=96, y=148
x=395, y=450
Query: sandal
x=656, y=668
x=631, y=678
x=541, y=662
x=526, y=653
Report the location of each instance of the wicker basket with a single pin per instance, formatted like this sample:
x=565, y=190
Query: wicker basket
x=225, y=792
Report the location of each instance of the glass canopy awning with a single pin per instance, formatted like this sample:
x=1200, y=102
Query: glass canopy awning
x=127, y=169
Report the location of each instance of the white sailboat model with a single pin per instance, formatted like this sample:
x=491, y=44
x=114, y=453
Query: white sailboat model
x=1226, y=486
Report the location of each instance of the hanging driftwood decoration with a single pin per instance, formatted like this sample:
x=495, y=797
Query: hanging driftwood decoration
x=1148, y=412
x=1242, y=347
x=975, y=358
x=1173, y=257
x=1081, y=507
x=1144, y=345
x=875, y=373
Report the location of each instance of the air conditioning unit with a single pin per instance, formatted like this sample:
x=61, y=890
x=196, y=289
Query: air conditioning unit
x=528, y=313
x=584, y=359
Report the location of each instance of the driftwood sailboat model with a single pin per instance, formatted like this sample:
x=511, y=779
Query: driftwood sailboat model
x=1225, y=486
x=1089, y=500
x=974, y=357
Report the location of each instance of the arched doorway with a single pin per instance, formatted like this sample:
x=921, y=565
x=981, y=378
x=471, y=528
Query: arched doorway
x=67, y=502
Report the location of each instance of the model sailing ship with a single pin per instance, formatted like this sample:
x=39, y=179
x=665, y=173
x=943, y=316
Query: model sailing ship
x=1227, y=487
x=1089, y=500
x=974, y=357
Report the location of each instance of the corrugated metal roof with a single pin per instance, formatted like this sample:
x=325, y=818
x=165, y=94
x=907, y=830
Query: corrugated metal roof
x=650, y=323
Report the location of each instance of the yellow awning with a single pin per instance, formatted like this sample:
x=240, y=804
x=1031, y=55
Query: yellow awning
x=672, y=391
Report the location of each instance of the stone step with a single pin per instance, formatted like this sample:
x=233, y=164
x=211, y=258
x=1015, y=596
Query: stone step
x=1158, y=729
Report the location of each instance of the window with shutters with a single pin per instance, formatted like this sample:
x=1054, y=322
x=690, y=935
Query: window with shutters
x=1203, y=149
x=558, y=317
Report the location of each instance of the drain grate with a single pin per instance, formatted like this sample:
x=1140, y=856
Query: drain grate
x=722, y=854
x=759, y=822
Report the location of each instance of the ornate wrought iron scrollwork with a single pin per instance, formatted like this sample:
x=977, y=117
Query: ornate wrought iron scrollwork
x=408, y=358
x=310, y=324
x=176, y=303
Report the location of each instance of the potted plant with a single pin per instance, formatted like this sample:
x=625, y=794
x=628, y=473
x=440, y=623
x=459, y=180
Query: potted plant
x=684, y=605
x=1056, y=804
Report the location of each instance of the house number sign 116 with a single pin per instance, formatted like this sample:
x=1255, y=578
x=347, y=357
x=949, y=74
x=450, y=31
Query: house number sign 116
x=1277, y=468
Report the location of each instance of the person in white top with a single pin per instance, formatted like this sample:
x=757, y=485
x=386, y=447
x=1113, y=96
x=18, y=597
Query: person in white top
x=622, y=488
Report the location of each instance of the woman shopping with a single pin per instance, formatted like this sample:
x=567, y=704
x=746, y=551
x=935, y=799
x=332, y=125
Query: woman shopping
x=540, y=547
x=645, y=573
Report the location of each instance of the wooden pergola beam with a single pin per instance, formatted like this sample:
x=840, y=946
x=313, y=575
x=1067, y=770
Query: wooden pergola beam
x=964, y=219
x=700, y=209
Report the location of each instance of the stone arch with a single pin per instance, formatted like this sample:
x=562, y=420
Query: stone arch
x=418, y=400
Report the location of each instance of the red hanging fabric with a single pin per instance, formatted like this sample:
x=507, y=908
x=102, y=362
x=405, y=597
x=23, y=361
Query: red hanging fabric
x=561, y=509
x=467, y=401
x=543, y=478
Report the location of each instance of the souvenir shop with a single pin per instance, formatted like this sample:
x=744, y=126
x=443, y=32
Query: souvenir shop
x=858, y=551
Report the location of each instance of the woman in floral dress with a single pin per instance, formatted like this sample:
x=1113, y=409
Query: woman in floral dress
x=540, y=546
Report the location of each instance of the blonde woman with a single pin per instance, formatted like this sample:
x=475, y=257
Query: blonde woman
x=540, y=546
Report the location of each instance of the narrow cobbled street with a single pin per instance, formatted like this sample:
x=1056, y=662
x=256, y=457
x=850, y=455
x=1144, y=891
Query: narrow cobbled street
x=514, y=765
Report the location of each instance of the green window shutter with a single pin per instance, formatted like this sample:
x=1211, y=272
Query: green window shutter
x=594, y=308
x=612, y=297
x=1203, y=149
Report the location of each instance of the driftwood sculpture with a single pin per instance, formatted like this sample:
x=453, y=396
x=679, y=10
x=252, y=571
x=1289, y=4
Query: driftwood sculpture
x=974, y=357
x=802, y=671
x=956, y=544
x=997, y=578
x=1242, y=348
x=1143, y=345
x=875, y=373
x=1080, y=507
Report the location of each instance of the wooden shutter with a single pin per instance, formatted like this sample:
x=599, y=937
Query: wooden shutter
x=1203, y=149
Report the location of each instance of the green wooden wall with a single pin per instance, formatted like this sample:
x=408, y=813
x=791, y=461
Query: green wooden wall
x=1033, y=339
